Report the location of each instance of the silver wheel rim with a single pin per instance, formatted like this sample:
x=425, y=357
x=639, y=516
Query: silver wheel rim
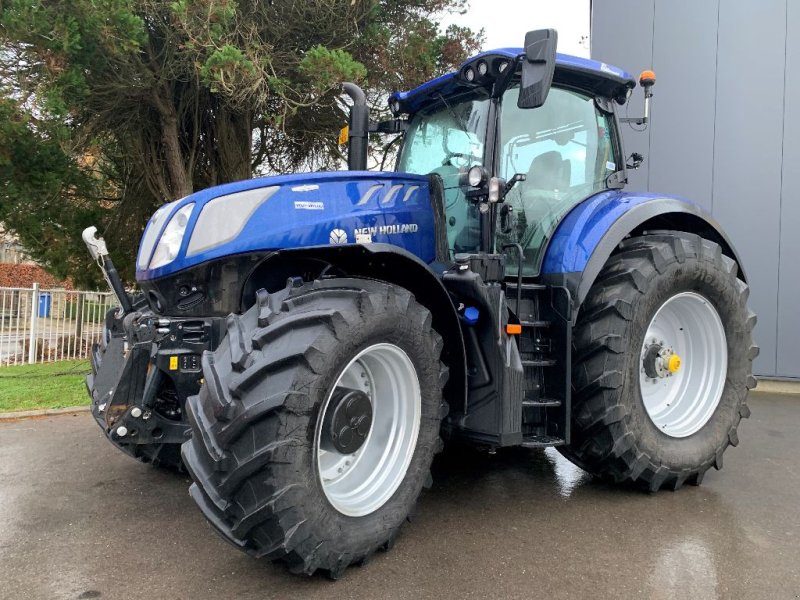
x=681, y=403
x=360, y=483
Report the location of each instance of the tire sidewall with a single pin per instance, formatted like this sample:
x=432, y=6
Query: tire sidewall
x=706, y=278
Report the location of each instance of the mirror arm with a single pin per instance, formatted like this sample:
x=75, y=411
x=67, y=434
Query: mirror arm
x=617, y=180
x=391, y=126
x=518, y=177
x=501, y=83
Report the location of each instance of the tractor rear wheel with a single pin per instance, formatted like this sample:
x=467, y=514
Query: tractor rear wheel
x=662, y=362
x=316, y=426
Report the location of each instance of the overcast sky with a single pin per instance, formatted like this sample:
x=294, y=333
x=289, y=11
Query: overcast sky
x=506, y=22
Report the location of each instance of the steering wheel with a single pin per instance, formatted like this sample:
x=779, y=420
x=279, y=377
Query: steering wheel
x=467, y=158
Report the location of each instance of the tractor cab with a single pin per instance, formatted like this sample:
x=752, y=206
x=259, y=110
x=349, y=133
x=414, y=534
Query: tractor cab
x=475, y=131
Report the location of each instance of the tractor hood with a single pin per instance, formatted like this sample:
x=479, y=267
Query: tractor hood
x=289, y=211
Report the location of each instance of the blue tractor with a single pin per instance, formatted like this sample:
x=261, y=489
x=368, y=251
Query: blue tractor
x=303, y=344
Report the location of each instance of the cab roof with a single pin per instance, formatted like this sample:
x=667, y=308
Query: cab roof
x=593, y=76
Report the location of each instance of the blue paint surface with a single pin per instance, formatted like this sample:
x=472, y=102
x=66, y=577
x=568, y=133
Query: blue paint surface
x=449, y=83
x=579, y=233
x=279, y=224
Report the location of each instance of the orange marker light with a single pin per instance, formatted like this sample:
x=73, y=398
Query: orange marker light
x=647, y=78
x=512, y=329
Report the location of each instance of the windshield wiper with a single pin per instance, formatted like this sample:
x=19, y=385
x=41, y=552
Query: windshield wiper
x=453, y=114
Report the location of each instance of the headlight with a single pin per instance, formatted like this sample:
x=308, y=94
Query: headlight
x=150, y=234
x=222, y=219
x=170, y=242
x=476, y=176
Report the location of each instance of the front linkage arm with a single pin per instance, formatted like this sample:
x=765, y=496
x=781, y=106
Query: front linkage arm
x=97, y=248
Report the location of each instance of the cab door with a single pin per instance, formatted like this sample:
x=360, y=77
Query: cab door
x=565, y=149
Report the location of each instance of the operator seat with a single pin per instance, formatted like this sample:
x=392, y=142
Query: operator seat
x=547, y=183
x=549, y=172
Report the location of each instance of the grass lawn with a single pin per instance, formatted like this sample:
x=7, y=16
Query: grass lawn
x=49, y=385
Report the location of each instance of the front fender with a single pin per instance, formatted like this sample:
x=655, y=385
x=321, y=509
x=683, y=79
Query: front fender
x=588, y=235
x=393, y=265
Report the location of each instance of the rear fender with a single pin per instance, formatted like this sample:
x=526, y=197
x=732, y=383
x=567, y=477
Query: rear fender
x=589, y=234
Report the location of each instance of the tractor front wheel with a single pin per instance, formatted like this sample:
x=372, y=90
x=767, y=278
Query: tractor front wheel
x=314, y=432
x=662, y=362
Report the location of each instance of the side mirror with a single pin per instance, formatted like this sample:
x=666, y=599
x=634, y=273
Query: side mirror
x=538, y=67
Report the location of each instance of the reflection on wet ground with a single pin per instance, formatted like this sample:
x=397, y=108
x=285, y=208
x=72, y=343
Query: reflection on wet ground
x=77, y=517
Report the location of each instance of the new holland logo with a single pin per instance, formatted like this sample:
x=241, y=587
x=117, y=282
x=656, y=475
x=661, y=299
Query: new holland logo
x=338, y=236
x=398, y=228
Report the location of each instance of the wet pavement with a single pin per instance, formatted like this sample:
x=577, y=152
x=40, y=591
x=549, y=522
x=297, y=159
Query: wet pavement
x=80, y=520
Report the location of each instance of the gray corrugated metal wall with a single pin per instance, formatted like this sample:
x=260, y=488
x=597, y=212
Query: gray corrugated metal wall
x=725, y=132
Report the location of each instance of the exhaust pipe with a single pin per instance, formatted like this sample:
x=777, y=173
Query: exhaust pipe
x=358, y=136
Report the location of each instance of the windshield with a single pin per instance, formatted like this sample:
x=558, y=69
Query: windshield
x=565, y=150
x=448, y=135
x=447, y=139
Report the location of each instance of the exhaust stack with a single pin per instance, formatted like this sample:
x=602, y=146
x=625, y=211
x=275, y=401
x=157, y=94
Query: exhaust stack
x=358, y=136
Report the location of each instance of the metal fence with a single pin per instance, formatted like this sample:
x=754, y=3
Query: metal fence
x=39, y=325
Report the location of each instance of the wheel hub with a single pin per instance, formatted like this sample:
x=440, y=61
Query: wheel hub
x=660, y=361
x=351, y=420
x=368, y=430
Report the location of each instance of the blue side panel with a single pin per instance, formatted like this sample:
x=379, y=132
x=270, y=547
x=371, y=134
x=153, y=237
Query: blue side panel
x=389, y=208
x=581, y=230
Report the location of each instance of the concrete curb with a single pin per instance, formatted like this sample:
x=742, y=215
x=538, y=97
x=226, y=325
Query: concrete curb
x=777, y=386
x=42, y=412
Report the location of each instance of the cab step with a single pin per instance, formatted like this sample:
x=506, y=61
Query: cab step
x=547, y=362
x=541, y=441
x=535, y=324
x=541, y=403
x=526, y=286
